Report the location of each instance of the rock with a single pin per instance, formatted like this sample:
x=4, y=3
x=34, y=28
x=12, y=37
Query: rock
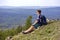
x=48, y=20
x=9, y=38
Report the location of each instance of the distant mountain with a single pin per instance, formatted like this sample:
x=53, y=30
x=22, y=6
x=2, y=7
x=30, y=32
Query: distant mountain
x=26, y=7
x=13, y=16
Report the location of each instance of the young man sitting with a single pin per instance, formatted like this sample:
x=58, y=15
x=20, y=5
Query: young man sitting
x=41, y=20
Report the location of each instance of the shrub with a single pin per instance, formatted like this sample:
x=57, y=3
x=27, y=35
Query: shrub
x=28, y=23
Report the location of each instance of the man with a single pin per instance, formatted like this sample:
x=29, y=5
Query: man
x=41, y=20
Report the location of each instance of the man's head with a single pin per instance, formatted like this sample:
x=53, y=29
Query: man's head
x=38, y=12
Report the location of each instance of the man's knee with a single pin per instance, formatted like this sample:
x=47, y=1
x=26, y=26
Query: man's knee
x=32, y=27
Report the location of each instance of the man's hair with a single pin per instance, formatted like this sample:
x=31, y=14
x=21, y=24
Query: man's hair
x=39, y=11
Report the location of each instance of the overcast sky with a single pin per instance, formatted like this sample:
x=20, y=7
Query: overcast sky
x=29, y=2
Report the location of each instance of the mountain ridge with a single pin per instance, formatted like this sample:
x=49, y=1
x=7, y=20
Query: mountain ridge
x=47, y=32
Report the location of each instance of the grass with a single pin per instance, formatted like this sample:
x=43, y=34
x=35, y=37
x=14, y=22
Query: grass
x=46, y=32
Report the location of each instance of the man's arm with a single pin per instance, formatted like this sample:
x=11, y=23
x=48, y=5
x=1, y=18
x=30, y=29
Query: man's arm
x=35, y=22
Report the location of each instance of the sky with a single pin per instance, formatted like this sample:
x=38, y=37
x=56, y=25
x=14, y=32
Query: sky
x=29, y=2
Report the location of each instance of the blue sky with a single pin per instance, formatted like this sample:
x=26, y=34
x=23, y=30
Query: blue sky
x=29, y=2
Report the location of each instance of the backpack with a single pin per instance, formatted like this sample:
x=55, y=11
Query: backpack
x=43, y=20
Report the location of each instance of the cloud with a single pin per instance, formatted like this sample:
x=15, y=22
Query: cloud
x=30, y=3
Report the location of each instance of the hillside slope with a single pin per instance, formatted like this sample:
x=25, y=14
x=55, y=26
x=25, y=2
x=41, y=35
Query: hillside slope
x=47, y=32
